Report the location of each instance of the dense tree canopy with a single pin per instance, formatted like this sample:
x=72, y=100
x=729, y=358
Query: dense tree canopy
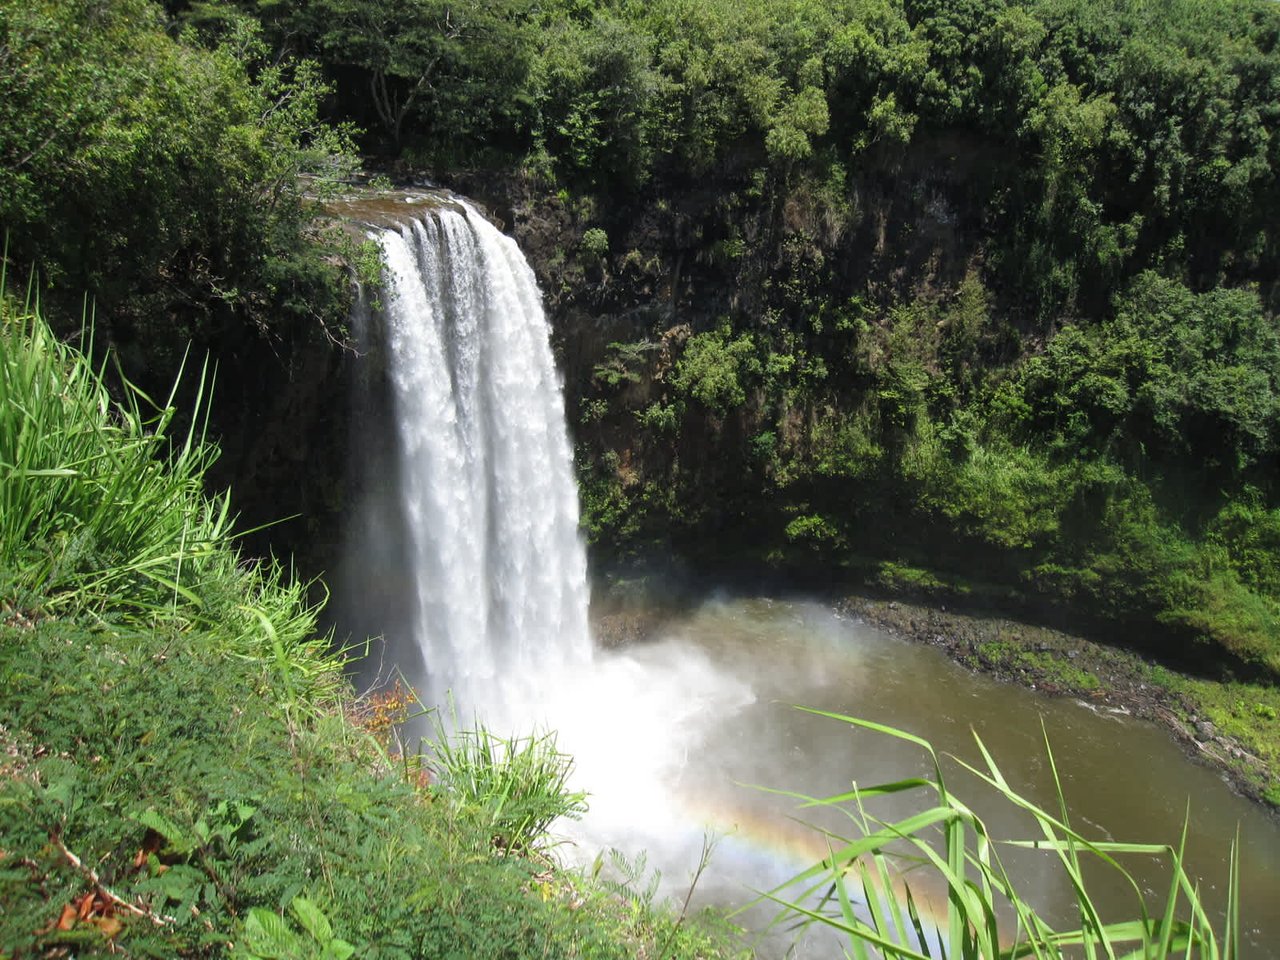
x=159, y=177
x=1123, y=137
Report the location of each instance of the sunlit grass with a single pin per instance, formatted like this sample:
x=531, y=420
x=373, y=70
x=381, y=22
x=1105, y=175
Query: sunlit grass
x=99, y=504
x=986, y=916
x=514, y=787
x=104, y=512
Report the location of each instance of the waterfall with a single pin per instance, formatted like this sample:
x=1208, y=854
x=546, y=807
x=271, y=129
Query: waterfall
x=484, y=492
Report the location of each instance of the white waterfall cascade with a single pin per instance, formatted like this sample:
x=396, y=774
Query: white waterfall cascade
x=486, y=485
x=466, y=546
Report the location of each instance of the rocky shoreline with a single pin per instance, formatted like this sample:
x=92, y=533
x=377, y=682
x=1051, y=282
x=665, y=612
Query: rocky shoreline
x=1061, y=664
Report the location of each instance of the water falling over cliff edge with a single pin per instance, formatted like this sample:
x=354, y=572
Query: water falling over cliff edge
x=464, y=549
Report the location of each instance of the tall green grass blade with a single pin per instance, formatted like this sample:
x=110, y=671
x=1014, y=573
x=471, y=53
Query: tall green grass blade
x=850, y=916
x=896, y=903
x=857, y=793
x=872, y=898
x=103, y=512
x=938, y=782
x=516, y=787
x=856, y=930
x=968, y=863
x=914, y=913
x=1231, y=936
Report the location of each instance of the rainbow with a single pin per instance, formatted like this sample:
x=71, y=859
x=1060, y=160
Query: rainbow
x=766, y=847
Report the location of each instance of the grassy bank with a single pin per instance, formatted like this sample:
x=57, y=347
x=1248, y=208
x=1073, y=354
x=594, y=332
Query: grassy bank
x=183, y=768
x=1221, y=719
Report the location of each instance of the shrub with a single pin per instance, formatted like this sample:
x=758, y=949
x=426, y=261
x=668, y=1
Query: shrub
x=595, y=243
x=713, y=368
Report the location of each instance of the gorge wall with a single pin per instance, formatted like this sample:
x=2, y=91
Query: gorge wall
x=845, y=380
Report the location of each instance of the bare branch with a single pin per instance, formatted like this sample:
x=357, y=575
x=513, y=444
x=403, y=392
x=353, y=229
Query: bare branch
x=91, y=875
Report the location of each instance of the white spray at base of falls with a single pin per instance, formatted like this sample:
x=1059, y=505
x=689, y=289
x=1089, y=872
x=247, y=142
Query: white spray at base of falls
x=475, y=538
x=483, y=510
x=486, y=483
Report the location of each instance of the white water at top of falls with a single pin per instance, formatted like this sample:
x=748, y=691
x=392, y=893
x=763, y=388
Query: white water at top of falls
x=486, y=490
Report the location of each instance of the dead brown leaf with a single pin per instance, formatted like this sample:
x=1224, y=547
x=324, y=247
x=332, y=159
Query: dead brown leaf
x=86, y=904
x=68, y=918
x=110, y=926
x=151, y=843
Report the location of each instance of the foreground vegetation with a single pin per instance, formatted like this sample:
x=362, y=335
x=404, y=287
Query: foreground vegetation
x=183, y=769
x=985, y=916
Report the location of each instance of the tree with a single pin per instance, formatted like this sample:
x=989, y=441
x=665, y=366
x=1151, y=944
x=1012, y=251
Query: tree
x=158, y=177
x=446, y=67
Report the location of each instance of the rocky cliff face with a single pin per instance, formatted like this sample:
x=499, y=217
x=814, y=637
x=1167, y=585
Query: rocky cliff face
x=631, y=279
x=282, y=419
x=628, y=280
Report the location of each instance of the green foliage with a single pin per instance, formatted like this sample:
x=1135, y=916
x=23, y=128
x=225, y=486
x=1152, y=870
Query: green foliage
x=595, y=243
x=1126, y=469
x=418, y=71
x=596, y=92
x=1249, y=533
x=1119, y=138
x=662, y=418
x=514, y=788
x=1174, y=375
x=624, y=363
x=369, y=265
x=802, y=118
x=847, y=445
x=1046, y=666
x=267, y=936
x=905, y=578
x=853, y=890
x=634, y=882
x=186, y=161
x=813, y=528
x=713, y=367
x=1104, y=141
x=91, y=512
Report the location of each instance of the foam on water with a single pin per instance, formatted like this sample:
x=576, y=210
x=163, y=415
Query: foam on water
x=486, y=489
